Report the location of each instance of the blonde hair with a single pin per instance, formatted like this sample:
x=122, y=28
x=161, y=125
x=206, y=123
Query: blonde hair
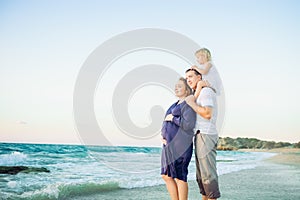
x=206, y=52
x=187, y=87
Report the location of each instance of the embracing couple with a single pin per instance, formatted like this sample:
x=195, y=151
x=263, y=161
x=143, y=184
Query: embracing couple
x=194, y=115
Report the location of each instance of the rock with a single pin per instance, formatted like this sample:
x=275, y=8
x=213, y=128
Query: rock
x=24, y=169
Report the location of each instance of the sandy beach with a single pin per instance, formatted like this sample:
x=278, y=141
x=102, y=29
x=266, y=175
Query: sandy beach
x=289, y=156
x=275, y=178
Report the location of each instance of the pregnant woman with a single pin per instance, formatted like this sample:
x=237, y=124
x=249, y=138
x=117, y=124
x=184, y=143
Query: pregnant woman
x=177, y=138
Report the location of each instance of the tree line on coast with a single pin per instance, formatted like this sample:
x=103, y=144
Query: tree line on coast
x=227, y=143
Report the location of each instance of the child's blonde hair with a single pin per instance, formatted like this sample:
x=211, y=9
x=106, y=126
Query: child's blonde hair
x=206, y=52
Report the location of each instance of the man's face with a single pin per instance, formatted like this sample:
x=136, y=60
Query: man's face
x=192, y=79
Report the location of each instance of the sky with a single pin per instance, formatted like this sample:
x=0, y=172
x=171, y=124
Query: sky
x=44, y=44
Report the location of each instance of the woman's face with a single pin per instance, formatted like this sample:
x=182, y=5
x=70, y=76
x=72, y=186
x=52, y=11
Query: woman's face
x=180, y=89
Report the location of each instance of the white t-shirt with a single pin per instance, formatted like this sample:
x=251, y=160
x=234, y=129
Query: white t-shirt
x=207, y=98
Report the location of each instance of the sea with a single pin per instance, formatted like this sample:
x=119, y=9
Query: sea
x=78, y=170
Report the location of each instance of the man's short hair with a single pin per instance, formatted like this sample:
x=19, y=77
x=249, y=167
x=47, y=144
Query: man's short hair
x=196, y=72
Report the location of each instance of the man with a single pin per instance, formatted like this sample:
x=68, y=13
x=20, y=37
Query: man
x=206, y=137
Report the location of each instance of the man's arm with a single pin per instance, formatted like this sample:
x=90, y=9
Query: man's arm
x=205, y=112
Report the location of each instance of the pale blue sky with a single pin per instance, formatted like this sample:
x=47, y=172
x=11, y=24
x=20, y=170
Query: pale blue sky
x=43, y=44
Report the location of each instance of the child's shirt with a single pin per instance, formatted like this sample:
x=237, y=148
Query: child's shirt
x=213, y=78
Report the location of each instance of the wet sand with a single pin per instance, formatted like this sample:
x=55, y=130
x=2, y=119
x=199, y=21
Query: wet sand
x=275, y=178
x=288, y=156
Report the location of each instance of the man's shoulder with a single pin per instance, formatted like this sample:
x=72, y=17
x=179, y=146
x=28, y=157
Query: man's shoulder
x=208, y=90
x=206, y=94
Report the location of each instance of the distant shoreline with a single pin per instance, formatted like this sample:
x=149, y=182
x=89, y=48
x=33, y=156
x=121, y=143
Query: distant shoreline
x=228, y=144
x=289, y=156
x=275, y=150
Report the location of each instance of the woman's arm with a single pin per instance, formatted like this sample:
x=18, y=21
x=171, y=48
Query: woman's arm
x=188, y=118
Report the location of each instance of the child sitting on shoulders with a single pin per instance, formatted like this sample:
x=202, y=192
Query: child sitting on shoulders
x=209, y=72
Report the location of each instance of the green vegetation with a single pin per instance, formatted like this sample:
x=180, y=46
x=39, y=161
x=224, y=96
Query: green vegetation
x=228, y=143
x=297, y=145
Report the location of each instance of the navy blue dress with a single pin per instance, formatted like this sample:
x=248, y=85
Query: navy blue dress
x=177, y=153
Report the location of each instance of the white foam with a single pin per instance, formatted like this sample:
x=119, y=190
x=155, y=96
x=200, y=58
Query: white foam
x=14, y=158
x=12, y=184
x=141, y=183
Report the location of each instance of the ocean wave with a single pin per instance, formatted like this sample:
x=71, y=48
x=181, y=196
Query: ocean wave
x=69, y=190
x=13, y=158
x=141, y=183
x=66, y=191
x=120, y=149
x=76, y=170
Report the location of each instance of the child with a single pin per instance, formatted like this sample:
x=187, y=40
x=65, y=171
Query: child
x=209, y=72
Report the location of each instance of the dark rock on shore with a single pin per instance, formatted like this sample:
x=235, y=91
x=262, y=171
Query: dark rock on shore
x=23, y=169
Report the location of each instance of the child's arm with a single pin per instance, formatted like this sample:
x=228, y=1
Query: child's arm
x=197, y=92
x=206, y=69
x=200, y=85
